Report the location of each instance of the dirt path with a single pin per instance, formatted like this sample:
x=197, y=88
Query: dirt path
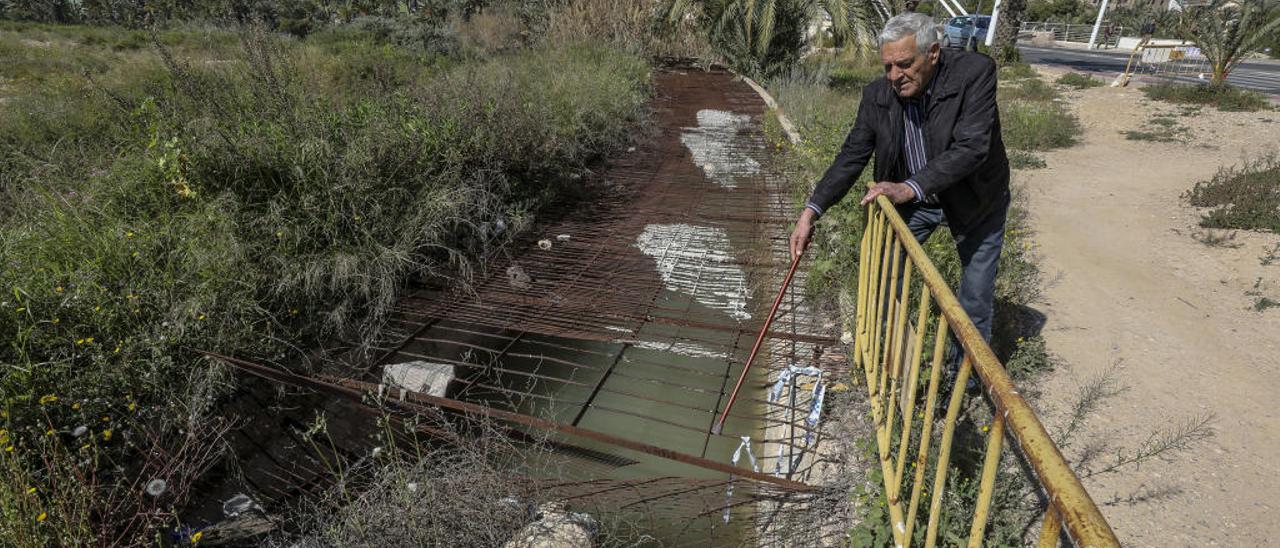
x=1130, y=285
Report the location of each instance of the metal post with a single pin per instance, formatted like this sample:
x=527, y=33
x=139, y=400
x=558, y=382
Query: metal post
x=1093, y=37
x=991, y=27
x=947, y=7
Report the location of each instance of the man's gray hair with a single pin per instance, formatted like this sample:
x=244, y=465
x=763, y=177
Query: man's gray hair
x=900, y=26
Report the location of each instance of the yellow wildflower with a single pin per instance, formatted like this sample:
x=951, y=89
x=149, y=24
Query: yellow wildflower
x=50, y=432
x=79, y=342
x=117, y=350
x=106, y=435
x=88, y=340
x=57, y=321
x=106, y=418
x=133, y=406
x=83, y=447
x=197, y=536
x=57, y=289
x=43, y=516
x=31, y=490
x=75, y=405
x=8, y=449
x=128, y=234
x=201, y=317
x=48, y=399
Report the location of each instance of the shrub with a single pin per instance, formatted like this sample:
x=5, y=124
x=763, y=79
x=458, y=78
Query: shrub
x=1079, y=81
x=1224, y=97
x=1245, y=197
x=1038, y=126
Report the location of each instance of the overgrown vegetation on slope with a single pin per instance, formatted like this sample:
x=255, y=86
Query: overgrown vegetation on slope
x=248, y=192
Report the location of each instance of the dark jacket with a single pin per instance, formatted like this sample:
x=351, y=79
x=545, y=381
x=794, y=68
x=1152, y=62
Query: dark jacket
x=967, y=167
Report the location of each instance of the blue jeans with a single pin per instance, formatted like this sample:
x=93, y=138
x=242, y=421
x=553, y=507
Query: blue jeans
x=979, y=249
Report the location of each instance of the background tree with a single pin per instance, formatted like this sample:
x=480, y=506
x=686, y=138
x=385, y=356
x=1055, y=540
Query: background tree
x=1228, y=31
x=763, y=37
x=1004, y=49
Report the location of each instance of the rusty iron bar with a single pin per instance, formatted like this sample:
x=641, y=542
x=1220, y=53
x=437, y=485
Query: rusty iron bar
x=355, y=391
x=786, y=282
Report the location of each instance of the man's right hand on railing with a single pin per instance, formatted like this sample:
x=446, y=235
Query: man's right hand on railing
x=803, y=232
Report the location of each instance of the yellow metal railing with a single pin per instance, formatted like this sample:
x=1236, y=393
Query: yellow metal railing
x=892, y=329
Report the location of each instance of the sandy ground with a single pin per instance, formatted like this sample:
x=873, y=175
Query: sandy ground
x=1129, y=286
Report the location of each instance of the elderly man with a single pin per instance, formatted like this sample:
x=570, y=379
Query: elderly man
x=935, y=132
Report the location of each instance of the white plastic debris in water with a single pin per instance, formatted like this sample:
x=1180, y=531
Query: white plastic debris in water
x=717, y=146
x=563, y=238
x=419, y=376
x=698, y=261
x=544, y=245
x=239, y=504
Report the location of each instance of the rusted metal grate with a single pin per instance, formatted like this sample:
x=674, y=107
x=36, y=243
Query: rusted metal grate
x=622, y=325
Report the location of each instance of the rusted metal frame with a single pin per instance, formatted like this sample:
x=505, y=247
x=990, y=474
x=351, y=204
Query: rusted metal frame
x=355, y=391
x=878, y=317
x=860, y=303
x=679, y=386
x=615, y=486
x=1080, y=514
x=599, y=384
x=485, y=319
x=908, y=421
x=986, y=487
x=1050, y=529
x=944, y=451
x=714, y=485
x=493, y=368
x=480, y=318
x=926, y=425
x=895, y=369
x=892, y=333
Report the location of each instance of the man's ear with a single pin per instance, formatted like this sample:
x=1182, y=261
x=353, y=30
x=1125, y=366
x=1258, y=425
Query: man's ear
x=935, y=51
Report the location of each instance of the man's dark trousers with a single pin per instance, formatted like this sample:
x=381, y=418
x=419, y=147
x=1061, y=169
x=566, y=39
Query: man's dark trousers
x=979, y=249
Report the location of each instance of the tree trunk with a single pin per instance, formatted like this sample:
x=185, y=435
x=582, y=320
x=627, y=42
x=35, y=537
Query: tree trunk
x=1005, y=46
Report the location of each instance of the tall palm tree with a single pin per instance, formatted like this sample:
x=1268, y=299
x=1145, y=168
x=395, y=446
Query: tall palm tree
x=764, y=36
x=1228, y=31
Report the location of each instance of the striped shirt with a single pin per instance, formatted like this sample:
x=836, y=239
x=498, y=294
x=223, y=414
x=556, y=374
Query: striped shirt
x=913, y=145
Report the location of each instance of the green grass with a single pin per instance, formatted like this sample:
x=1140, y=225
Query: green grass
x=1078, y=81
x=1241, y=197
x=1225, y=98
x=1038, y=125
x=253, y=197
x=1021, y=159
x=1160, y=129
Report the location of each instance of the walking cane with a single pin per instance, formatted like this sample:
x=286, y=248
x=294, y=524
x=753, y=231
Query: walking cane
x=786, y=282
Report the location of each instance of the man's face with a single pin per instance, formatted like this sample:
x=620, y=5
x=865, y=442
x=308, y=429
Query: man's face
x=908, y=70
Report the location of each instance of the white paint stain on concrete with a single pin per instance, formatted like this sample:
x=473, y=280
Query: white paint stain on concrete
x=698, y=261
x=692, y=350
x=717, y=146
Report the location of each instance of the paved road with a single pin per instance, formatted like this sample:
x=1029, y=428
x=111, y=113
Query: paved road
x=1263, y=76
